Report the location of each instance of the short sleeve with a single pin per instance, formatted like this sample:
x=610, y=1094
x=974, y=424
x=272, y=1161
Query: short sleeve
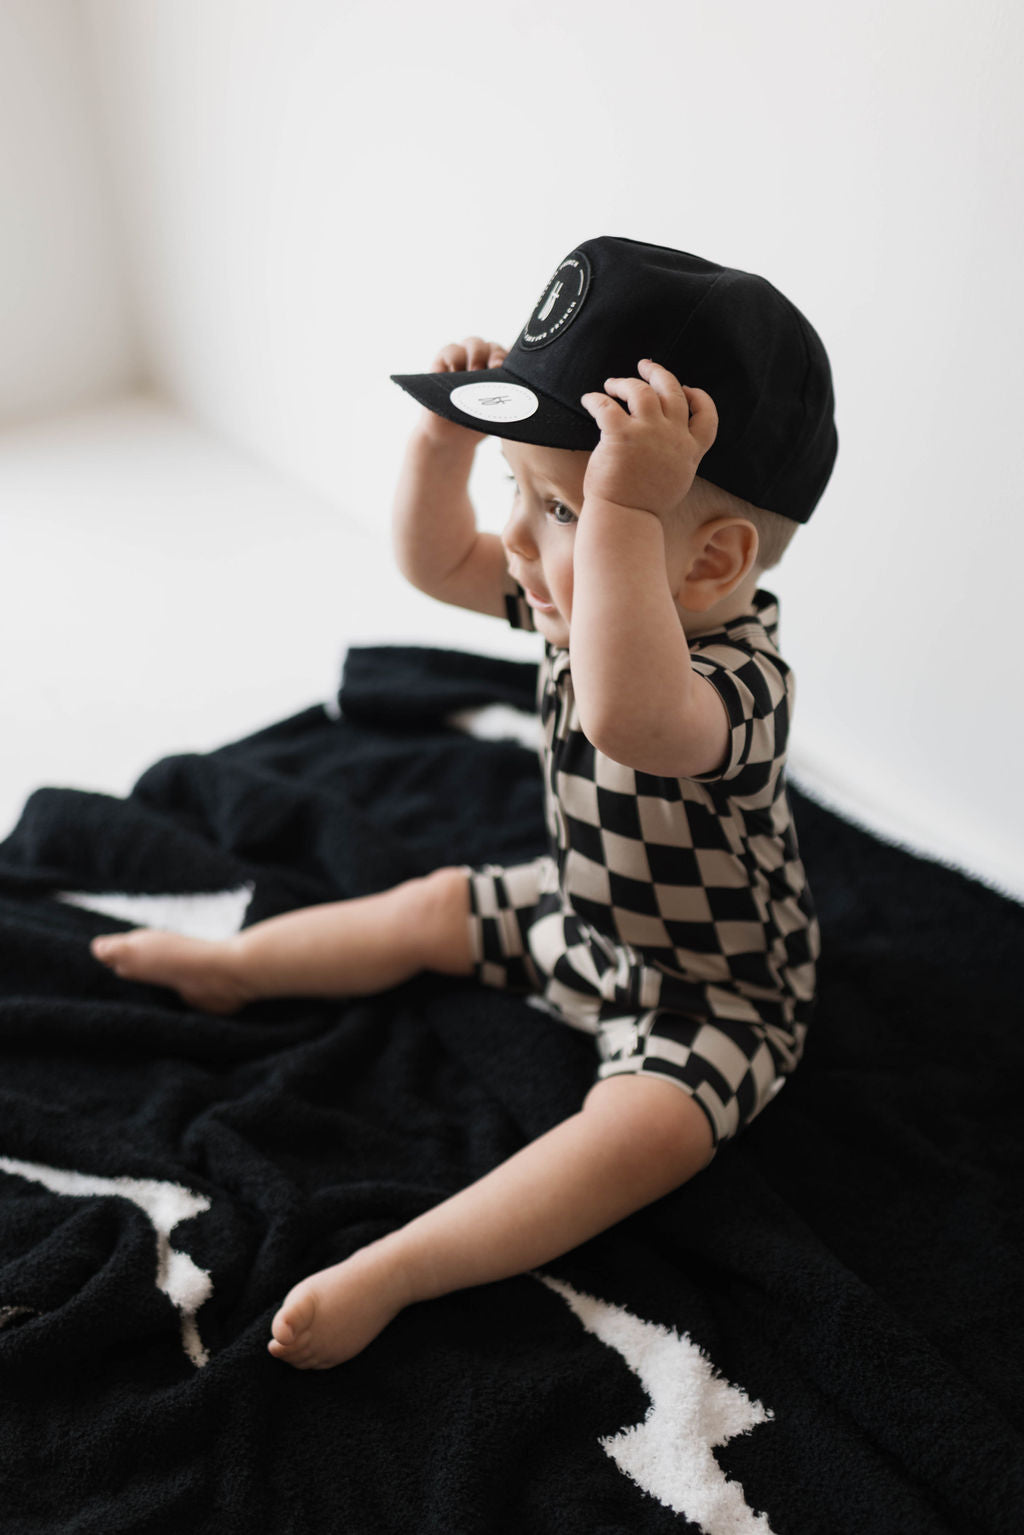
x=757, y=690
x=517, y=609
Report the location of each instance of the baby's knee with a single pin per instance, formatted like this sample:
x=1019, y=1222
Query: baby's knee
x=440, y=910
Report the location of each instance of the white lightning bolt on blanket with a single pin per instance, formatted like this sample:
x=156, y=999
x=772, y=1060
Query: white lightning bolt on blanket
x=692, y=1411
x=184, y=1283
x=206, y=914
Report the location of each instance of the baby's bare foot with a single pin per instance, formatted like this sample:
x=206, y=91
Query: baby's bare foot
x=202, y=972
x=333, y=1315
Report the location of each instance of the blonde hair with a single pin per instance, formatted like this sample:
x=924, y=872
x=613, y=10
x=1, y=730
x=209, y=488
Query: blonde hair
x=707, y=502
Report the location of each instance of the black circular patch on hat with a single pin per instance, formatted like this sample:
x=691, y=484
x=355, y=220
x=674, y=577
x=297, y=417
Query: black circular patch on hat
x=559, y=304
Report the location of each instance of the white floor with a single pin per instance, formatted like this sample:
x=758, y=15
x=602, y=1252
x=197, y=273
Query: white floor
x=163, y=593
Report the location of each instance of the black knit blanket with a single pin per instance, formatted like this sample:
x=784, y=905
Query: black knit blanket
x=820, y=1334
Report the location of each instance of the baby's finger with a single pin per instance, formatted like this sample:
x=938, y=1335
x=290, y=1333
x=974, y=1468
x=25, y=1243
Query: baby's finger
x=479, y=353
x=607, y=412
x=665, y=384
x=638, y=398
x=450, y=359
x=498, y=355
x=456, y=356
x=703, y=416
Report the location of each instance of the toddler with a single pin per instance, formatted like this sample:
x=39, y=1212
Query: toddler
x=671, y=918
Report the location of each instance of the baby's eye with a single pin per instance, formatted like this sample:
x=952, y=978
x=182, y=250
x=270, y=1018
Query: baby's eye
x=561, y=513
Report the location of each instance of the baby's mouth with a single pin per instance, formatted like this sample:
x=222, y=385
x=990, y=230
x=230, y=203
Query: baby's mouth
x=541, y=604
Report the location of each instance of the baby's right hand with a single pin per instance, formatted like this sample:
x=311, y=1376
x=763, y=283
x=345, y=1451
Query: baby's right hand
x=466, y=356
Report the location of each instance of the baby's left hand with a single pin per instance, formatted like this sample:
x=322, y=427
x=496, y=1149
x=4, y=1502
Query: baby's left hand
x=648, y=454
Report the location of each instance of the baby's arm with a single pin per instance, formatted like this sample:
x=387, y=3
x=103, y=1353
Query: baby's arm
x=437, y=545
x=636, y=1138
x=640, y=700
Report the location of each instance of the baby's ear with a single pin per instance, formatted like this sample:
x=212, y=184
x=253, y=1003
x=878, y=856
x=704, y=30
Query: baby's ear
x=721, y=553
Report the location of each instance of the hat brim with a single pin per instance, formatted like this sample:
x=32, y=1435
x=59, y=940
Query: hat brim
x=550, y=424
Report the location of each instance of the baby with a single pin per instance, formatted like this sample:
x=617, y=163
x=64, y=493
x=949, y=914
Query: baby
x=671, y=918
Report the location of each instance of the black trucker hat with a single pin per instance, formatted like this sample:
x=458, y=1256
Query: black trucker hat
x=612, y=302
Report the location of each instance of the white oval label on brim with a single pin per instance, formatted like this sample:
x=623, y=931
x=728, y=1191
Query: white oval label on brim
x=495, y=402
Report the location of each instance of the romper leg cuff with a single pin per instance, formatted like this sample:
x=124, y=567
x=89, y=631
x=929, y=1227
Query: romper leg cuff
x=503, y=903
x=728, y=1068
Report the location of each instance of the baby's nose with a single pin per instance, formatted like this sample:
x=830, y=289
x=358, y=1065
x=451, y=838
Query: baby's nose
x=518, y=538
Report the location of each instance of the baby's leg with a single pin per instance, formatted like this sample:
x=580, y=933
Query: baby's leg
x=346, y=948
x=636, y=1137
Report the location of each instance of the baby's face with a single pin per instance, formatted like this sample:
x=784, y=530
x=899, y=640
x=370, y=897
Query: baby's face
x=541, y=530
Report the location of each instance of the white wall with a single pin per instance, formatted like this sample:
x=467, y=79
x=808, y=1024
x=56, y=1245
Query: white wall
x=65, y=332
x=316, y=194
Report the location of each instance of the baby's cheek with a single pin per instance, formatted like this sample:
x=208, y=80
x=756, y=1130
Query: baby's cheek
x=563, y=599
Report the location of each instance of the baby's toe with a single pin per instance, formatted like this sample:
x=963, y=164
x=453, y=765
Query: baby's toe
x=301, y=1356
x=295, y=1317
x=282, y=1335
x=107, y=947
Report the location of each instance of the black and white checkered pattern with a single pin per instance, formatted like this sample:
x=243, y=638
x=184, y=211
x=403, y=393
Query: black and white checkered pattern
x=677, y=909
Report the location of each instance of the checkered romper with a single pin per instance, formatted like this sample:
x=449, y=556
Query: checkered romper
x=672, y=918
